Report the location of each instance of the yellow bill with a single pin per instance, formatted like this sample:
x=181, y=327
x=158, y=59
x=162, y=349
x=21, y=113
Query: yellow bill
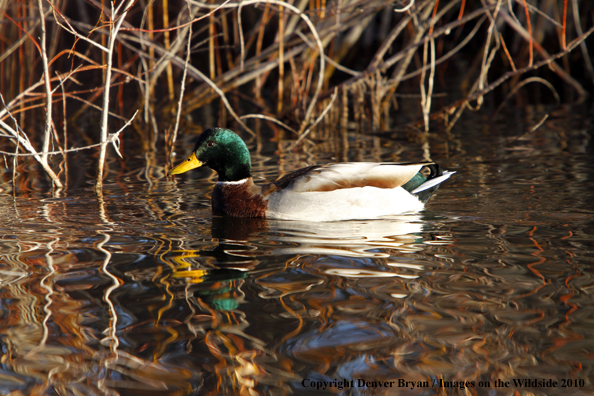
x=189, y=163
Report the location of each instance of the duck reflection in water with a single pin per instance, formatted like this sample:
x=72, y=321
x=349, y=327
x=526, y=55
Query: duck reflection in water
x=250, y=279
x=239, y=250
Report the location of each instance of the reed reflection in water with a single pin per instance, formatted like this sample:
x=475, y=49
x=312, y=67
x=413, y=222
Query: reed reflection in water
x=169, y=311
x=193, y=306
x=143, y=292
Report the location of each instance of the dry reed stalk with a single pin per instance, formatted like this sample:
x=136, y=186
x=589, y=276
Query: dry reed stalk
x=530, y=39
x=239, y=30
x=546, y=62
x=22, y=51
x=48, y=92
x=165, y=60
x=564, y=28
x=316, y=122
x=198, y=74
x=227, y=41
x=271, y=119
x=281, y=60
x=426, y=95
x=404, y=56
x=22, y=139
x=232, y=74
x=20, y=136
x=320, y=46
x=406, y=7
x=450, y=53
x=545, y=55
x=65, y=130
x=182, y=87
x=167, y=45
x=509, y=58
x=488, y=56
x=112, y=138
x=517, y=87
x=211, y=46
x=117, y=19
x=103, y=38
x=259, y=40
x=414, y=39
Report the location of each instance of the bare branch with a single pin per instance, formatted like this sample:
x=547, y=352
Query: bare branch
x=48, y=87
x=314, y=32
x=114, y=27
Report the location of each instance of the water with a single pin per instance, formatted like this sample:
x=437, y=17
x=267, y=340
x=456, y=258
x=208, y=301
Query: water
x=143, y=291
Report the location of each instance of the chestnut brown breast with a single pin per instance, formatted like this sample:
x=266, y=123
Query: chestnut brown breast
x=239, y=199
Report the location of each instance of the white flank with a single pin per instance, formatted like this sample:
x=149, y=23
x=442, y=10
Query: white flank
x=341, y=204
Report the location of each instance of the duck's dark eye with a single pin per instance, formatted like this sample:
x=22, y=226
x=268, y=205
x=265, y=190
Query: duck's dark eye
x=210, y=144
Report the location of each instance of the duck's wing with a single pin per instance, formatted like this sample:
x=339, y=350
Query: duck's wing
x=332, y=177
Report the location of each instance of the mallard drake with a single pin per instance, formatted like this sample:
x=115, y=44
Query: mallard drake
x=341, y=191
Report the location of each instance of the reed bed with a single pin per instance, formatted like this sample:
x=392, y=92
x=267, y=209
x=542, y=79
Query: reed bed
x=300, y=66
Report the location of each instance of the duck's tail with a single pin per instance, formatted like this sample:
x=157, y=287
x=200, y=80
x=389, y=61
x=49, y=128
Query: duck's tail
x=424, y=183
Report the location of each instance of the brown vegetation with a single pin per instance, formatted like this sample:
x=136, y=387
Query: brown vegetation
x=296, y=65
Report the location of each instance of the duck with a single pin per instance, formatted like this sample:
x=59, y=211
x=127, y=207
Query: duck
x=328, y=192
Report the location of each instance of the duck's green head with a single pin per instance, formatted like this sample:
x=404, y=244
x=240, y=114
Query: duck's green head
x=222, y=150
